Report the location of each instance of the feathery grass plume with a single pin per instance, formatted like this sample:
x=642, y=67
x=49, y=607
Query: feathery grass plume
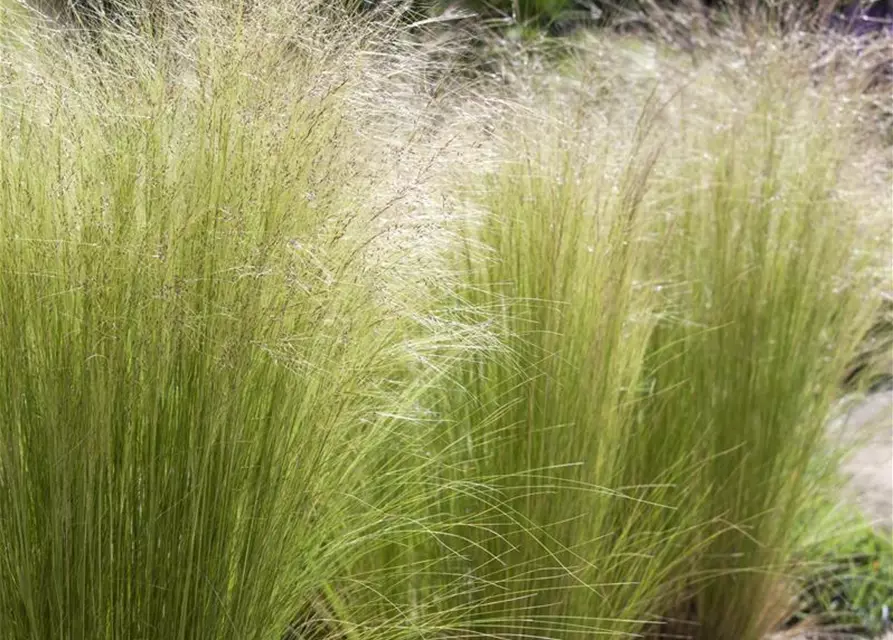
x=197, y=374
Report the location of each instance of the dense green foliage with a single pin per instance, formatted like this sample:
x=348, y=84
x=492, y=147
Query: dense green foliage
x=852, y=582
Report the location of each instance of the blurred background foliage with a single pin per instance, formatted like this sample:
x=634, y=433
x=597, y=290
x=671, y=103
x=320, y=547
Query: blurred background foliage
x=556, y=17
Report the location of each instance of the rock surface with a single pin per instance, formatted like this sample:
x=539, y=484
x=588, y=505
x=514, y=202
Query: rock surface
x=868, y=425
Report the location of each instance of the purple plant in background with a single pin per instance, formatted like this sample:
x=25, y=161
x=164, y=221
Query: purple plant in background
x=865, y=20
x=862, y=19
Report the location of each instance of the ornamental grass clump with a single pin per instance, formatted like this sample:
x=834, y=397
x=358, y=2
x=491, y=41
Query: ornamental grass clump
x=768, y=270
x=676, y=277
x=196, y=353
x=549, y=266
